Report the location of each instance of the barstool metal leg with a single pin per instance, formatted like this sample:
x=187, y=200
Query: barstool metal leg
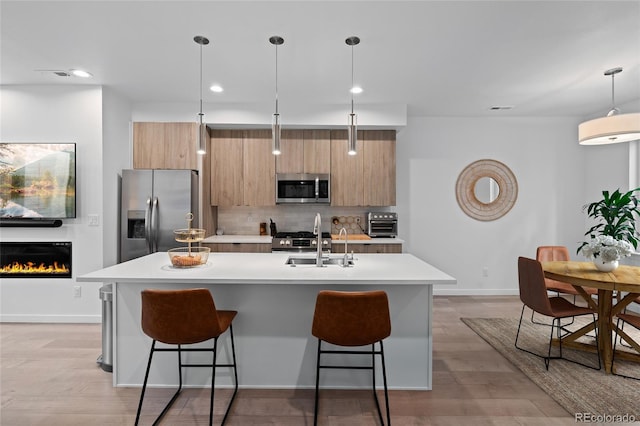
x=175, y=395
x=235, y=376
x=384, y=379
x=373, y=382
x=213, y=380
x=144, y=384
x=315, y=411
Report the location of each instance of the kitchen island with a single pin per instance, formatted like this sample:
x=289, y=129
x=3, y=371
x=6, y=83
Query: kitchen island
x=275, y=304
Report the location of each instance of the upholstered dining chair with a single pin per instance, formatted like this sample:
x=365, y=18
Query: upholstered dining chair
x=533, y=294
x=552, y=253
x=633, y=320
x=185, y=317
x=352, y=319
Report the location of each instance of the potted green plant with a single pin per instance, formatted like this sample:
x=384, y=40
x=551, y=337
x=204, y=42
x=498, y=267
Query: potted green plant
x=614, y=236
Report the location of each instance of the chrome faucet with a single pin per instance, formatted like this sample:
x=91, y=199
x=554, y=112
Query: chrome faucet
x=317, y=229
x=345, y=260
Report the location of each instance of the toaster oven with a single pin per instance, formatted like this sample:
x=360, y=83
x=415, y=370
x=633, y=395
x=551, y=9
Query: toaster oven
x=382, y=224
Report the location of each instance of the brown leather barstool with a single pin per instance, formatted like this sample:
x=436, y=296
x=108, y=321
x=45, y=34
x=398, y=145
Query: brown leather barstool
x=352, y=319
x=184, y=317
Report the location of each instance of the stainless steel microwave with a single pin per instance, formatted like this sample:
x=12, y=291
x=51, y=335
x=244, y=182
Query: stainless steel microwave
x=302, y=188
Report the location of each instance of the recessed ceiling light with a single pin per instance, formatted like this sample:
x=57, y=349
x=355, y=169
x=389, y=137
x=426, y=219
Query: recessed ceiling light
x=356, y=89
x=81, y=73
x=216, y=88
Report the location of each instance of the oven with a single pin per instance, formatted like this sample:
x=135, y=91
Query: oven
x=382, y=224
x=300, y=242
x=303, y=188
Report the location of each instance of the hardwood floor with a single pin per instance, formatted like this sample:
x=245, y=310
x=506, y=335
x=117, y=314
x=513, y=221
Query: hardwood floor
x=48, y=376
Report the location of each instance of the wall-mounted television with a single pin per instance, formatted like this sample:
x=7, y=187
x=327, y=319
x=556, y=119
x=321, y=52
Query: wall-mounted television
x=37, y=180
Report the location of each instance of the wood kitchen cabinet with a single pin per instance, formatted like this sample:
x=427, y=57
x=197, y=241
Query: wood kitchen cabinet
x=347, y=171
x=239, y=247
x=304, y=151
x=227, y=186
x=242, y=168
x=259, y=172
x=368, y=178
x=164, y=145
x=379, y=153
x=368, y=248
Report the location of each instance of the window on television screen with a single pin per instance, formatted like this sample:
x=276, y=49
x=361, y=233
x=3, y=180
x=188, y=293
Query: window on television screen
x=37, y=180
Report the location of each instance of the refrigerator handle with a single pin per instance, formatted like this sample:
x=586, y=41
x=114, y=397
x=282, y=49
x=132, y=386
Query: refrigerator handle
x=155, y=225
x=147, y=226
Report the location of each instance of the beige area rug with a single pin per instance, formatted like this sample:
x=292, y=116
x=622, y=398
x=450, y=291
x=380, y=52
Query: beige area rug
x=576, y=388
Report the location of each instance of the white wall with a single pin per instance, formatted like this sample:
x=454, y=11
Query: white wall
x=58, y=114
x=370, y=116
x=117, y=154
x=556, y=177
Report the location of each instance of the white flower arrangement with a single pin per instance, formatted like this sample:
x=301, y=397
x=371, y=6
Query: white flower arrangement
x=607, y=248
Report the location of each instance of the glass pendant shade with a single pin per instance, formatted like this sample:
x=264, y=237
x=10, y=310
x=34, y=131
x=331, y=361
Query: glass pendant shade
x=275, y=122
x=352, y=134
x=203, y=135
x=612, y=129
x=275, y=134
x=352, y=126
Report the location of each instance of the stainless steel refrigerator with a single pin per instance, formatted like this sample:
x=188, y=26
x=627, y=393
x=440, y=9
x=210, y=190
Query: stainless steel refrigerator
x=153, y=204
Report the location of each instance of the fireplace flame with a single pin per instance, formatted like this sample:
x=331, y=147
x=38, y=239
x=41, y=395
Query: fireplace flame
x=32, y=268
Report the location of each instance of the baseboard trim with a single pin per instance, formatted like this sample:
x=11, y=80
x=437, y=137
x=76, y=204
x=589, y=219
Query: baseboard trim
x=474, y=292
x=75, y=319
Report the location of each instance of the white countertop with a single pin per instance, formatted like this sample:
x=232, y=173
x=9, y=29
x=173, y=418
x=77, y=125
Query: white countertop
x=270, y=268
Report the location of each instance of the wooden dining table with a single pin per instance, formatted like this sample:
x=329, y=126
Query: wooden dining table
x=623, y=280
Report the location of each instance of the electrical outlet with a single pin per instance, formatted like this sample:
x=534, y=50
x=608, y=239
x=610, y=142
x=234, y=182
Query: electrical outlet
x=77, y=291
x=357, y=219
x=94, y=220
x=485, y=271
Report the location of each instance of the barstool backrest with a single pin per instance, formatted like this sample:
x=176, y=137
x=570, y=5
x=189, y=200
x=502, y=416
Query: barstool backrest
x=351, y=318
x=180, y=317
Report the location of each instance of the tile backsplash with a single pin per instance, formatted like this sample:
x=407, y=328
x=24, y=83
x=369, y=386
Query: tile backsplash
x=246, y=220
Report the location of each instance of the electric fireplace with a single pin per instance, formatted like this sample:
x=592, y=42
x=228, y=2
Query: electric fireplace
x=49, y=259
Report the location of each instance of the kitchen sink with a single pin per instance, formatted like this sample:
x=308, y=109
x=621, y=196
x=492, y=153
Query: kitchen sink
x=294, y=261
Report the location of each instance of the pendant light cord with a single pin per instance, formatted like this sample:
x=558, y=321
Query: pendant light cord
x=201, y=81
x=352, y=80
x=276, y=78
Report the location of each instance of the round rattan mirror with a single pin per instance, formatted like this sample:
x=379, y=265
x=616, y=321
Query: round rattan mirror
x=471, y=182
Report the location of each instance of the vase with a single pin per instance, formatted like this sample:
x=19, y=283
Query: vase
x=605, y=266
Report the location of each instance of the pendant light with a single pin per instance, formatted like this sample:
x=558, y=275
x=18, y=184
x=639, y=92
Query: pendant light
x=275, y=123
x=352, y=129
x=614, y=128
x=202, y=127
